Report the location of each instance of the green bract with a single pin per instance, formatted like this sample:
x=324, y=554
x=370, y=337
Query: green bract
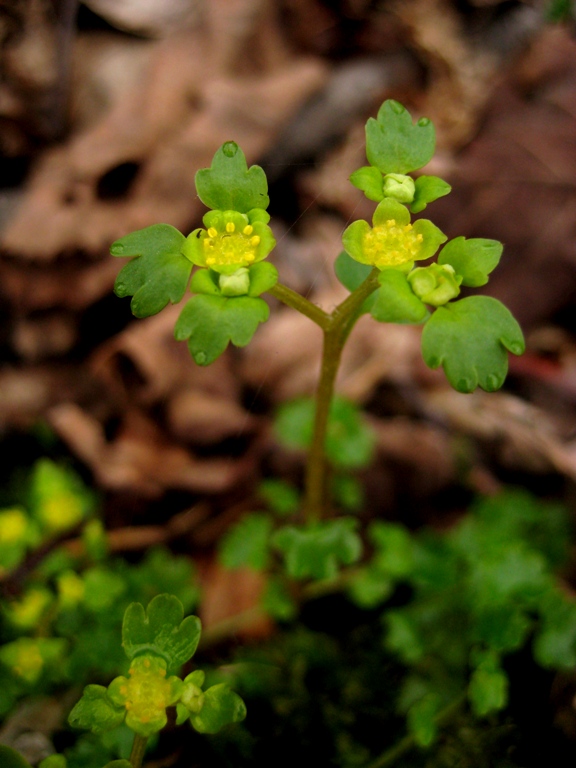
x=428, y=189
x=209, y=323
x=229, y=185
x=158, y=275
x=392, y=241
x=230, y=241
x=469, y=339
x=394, y=144
x=96, y=711
x=472, y=259
x=395, y=301
x=160, y=629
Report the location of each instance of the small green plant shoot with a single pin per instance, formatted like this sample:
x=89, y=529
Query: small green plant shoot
x=398, y=269
x=223, y=265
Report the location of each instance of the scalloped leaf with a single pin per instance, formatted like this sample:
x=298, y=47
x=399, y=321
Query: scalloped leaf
x=221, y=707
x=428, y=189
x=160, y=272
x=246, y=543
x=96, y=712
x=210, y=323
x=395, y=301
x=394, y=144
x=472, y=259
x=229, y=185
x=470, y=339
x=161, y=629
x=316, y=551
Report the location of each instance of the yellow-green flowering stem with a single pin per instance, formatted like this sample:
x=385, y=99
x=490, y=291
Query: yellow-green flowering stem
x=296, y=301
x=341, y=322
x=138, y=750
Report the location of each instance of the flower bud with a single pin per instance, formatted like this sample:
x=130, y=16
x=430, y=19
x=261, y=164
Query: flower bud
x=400, y=187
x=236, y=284
x=436, y=284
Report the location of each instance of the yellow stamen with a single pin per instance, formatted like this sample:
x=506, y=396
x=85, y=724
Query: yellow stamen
x=230, y=226
x=212, y=232
x=254, y=240
x=248, y=229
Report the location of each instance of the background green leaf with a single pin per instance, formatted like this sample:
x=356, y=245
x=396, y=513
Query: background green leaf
x=209, y=323
x=396, y=145
x=9, y=758
x=317, y=551
x=160, y=272
x=470, y=339
x=221, y=707
x=246, y=543
x=229, y=185
x=349, y=440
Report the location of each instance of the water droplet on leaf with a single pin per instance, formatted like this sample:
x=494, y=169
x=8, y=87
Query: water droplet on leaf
x=230, y=148
x=200, y=358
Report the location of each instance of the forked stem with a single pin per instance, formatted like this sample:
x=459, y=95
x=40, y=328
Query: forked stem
x=336, y=328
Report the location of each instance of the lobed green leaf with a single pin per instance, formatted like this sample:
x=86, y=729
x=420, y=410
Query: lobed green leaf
x=472, y=259
x=470, y=339
x=96, y=712
x=229, y=185
x=210, y=323
x=158, y=274
x=161, y=629
x=394, y=144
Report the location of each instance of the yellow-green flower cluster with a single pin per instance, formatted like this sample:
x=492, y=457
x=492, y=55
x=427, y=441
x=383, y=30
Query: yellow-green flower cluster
x=146, y=694
x=231, y=240
x=393, y=241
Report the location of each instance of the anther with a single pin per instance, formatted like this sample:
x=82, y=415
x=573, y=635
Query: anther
x=230, y=226
x=254, y=240
x=248, y=229
x=212, y=232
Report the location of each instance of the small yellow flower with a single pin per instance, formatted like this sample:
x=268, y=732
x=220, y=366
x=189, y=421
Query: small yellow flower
x=392, y=241
x=230, y=241
x=146, y=694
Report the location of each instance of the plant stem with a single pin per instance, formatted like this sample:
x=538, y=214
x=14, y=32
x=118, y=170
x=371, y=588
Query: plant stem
x=296, y=301
x=138, y=749
x=408, y=743
x=341, y=322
